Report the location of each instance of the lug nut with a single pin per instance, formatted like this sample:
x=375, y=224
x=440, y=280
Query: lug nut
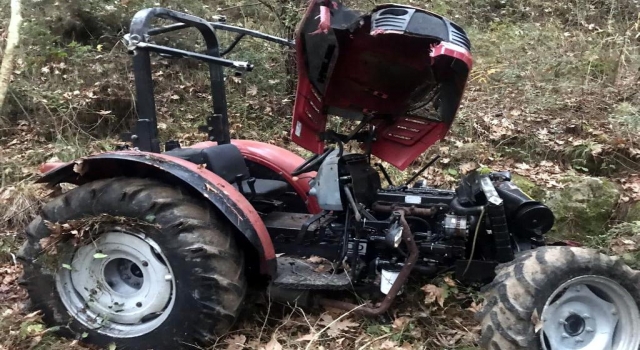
x=579, y=340
x=168, y=277
x=565, y=335
x=586, y=316
x=589, y=330
x=562, y=322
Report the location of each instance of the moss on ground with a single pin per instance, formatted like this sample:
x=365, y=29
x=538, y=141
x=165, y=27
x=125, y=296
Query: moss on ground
x=527, y=186
x=583, y=207
x=634, y=212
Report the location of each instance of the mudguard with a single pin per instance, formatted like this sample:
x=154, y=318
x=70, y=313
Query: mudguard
x=231, y=203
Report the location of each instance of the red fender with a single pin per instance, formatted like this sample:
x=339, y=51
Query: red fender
x=279, y=160
x=217, y=191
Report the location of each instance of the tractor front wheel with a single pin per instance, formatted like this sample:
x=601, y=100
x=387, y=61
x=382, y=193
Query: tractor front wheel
x=135, y=263
x=562, y=298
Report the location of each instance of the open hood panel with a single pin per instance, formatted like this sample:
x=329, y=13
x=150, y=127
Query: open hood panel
x=401, y=69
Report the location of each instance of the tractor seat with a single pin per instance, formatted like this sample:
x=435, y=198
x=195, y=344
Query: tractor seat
x=227, y=162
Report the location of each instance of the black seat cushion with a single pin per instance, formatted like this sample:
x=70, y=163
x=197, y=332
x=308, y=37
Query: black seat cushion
x=194, y=155
x=227, y=162
x=265, y=188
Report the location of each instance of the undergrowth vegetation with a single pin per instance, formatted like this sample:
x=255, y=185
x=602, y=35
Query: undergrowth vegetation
x=554, y=95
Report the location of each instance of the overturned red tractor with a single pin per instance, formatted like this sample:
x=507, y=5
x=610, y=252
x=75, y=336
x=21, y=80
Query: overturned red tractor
x=171, y=238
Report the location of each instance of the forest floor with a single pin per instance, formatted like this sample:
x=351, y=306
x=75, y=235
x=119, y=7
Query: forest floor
x=554, y=97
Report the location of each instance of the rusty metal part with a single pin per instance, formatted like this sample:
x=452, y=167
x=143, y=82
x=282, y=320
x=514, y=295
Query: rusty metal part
x=410, y=210
x=407, y=237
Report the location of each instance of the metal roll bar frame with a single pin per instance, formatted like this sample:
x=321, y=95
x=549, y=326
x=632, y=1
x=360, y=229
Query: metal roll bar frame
x=145, y=133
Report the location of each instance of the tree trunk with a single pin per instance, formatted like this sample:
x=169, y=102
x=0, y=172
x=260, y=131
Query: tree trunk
x=13, y=38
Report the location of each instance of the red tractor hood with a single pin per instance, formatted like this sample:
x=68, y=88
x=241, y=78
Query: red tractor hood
x=401, y=69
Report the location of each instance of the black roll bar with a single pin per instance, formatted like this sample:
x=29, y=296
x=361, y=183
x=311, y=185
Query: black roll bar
x=229, y=28
x=145, y=135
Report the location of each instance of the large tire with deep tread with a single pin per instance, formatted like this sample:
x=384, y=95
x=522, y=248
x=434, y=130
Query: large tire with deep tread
x=199, y=245
x=524, y=285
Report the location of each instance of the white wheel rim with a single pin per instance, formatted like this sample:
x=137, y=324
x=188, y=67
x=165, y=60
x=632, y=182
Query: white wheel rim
x=120, y=285
x=590, y=312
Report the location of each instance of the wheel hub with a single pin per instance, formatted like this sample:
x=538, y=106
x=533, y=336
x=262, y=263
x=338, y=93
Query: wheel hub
x=121, y=283
x=123, y=276
x=589, y=312
x=574, y=325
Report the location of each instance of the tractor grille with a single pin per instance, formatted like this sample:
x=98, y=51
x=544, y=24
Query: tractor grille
x=392, y=19
x=459, y=37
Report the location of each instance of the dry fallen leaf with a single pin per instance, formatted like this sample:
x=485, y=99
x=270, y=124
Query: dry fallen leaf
x=338, y=327
x=537, y=322
x=48, y=245
x=474, y=307
x=236, y=342
x=449, y=281
x=273, y=344
x=306, y=337
x=433, y=293
x=315, y=259
x=79, y=167
x=406, y=346
x=401, y=322
x=468, y=167
x=389, y=345
x=322, y=268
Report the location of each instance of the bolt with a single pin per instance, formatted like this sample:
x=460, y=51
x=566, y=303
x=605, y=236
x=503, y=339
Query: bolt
x=562, y=322
x=145, y=264
x=589, y=329
x=577, y=288
x=586, y=316
x=139, y=304
x=579, y=340
x=571, y=312
x=614, y=312
x=565, y=335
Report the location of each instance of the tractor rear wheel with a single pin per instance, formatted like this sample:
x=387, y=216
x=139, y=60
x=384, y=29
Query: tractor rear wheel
x=561, y=298
x=135, y=263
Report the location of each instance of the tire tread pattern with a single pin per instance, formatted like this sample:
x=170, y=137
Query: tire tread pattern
x=523, y=285
x=191, y=227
